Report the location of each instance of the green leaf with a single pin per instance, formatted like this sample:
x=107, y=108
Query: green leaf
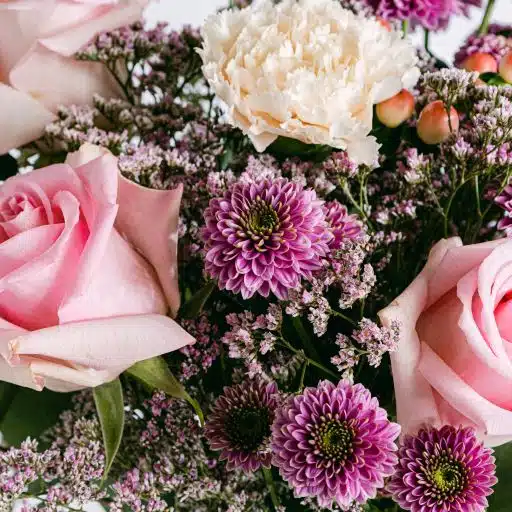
x=283, y=147
x=502, y=498
x=493, y=79
x=8, y=166
x=8, y=392
x=110, y=408
x=28, y=413
x=195, y=304
x=155, y=374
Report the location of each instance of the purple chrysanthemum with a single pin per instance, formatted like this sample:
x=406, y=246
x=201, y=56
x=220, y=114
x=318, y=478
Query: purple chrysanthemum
x=265, y=236
x=335, y=444
x=443, y=470
x=505, y=201
x=240, y=424
x=431, y=14
x=343, y=226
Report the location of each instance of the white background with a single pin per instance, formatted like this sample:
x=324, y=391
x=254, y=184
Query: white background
x=444, y=44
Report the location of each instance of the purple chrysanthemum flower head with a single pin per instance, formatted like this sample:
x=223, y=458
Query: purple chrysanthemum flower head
x=334, y=443
x=344, y=226
x=505, y=201
x=265, y=237
x=430, y=14
x=443, y=470
x=240, y=424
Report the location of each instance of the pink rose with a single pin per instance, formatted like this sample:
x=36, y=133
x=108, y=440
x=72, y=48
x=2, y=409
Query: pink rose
x=454, y=360
x=78, y=303
x=38, y=39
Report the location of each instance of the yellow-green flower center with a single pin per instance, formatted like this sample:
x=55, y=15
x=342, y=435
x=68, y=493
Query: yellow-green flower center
x=262, y=219
x=335, y=440
x=447, y=476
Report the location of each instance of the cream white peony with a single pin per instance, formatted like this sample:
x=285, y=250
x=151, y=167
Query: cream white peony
x=305, y=69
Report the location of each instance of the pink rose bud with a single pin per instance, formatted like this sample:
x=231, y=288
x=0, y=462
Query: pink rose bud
x=434, y=126
x=396, y=110
x=506, y=67
x=481, y=62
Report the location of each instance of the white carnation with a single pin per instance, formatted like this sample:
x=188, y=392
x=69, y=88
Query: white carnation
x=305, y=69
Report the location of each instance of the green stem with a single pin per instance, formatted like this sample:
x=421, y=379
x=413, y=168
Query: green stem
x=310, y=361
x=303, y=375
x=484, y=26
x=427, y=41
x=335, y=376
x=267, y=473
x=304, y=337
x=477, y=196
x=341, y=315
x=405, y=27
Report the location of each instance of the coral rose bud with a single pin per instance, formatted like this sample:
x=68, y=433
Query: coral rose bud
x=434, y=126
x=396, y=110
x=481, y=62
x=506, y=67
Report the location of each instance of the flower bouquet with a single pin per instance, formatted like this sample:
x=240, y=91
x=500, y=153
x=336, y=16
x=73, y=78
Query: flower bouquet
x=260, y=266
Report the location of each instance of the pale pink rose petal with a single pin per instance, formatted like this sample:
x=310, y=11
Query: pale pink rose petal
x=491, y=421
x=122, y=283
x=29, y=218
x=55, y=80
x=90, y=18
x=503, y=314
x=33, y=292
x=109, y=345
x=25, y=247
x=495, y=270
x=489, y=349
x=415, y=401
x=457, y=263
x=23, y=115
x=149, y=220
x=65, y=379
x=86, y=154
x=44, y=184
x=21, y=376
x=466, y=352
x=100, y=175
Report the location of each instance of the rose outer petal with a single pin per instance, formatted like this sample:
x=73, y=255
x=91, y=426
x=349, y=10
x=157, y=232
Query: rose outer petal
x=85, y=354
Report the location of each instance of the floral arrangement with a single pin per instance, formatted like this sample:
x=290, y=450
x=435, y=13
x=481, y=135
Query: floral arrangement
x=262, y=265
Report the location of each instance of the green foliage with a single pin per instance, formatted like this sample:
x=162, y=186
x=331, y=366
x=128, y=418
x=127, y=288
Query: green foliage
x=193, y=307
x=8, y=166
x=110, y=408
x=493, y=79
x=27, y=413
x=155, y=374
x=501, y=500
x=284, y=147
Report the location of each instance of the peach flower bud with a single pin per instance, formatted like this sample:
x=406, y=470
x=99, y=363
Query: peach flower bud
x=481, y=62
x=396, y=110
x=434, y=126
x=506, y=67
x=385, y=23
